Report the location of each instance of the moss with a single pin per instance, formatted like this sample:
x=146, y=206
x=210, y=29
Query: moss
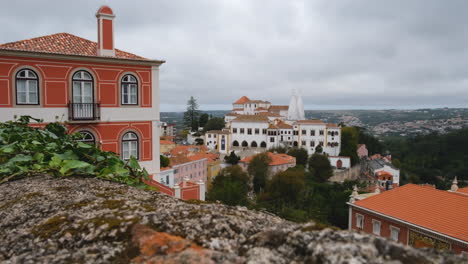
x=317, y=227
x=194, y=201
x=62, y=189
x=49, y=227
x=148, y=208
x=113, y=204
x=20, y=199
x=78, y=205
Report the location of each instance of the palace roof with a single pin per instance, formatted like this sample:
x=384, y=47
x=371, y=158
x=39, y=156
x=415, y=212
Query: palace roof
x=242, y=100
x=277, y=108
x=315, y=121
x=64, y=44
x=276, y=159
x=251, y=118
x=440, y=211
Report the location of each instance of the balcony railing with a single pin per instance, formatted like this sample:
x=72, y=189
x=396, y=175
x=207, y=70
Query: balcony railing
x=83, y=111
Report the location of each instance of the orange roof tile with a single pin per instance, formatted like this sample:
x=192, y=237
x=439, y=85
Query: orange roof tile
x=188, y=149
x=251, y=118
x=276, y=159
x=64, y=44
x=441, y=211
x=277, y=108
x=179, y=159
x=270, y=114
x=165, y=142
x=463, y=190
x=331, y=125
x=242, y=100
x=209, y=156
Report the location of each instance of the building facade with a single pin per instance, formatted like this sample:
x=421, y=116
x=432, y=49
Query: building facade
x=109, y=96
x=279, y=162
x=420, y=216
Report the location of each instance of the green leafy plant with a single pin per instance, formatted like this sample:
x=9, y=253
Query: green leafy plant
x=27, y=151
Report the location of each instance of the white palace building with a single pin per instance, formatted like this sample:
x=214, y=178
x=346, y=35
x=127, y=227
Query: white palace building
x=258, y=125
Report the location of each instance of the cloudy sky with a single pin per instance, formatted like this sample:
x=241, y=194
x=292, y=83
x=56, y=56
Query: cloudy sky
x=343, y=54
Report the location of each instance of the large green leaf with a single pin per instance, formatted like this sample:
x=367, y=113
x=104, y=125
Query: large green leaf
x=72, y=164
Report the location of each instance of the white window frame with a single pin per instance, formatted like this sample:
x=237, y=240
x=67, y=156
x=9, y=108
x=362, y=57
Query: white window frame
x=394, y=228
x=30, y=77
x=129, y=81
x=359, y=225
x=126, y=143
x=373, y=227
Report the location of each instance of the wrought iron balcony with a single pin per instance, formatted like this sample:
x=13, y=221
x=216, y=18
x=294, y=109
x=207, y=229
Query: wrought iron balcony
x=83, y=111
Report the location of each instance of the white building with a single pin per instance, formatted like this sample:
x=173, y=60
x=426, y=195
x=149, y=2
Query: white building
x=258, y=125
x=340, y=162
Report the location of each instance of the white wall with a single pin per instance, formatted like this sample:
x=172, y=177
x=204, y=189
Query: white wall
x=346, y=161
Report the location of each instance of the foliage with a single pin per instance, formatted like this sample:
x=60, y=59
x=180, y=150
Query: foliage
x=26, y=151
x=434, y=158
x=230, y=186
x=278, y=149
x=286, y=187
x=300, y=154
x=203, y=119
x=215, y=123
x=349, y=141
x=319, y=149
x=320, y=168
x=164, y=161
x=259, y=169
x=199, y=141
x=232, y=159
x=373, y=145
x=191, y=115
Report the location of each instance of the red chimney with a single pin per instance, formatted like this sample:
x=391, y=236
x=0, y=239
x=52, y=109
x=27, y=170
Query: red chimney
x=105, y=18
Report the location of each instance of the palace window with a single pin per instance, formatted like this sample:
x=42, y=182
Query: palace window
x=295, y=132
x=376, y=227
x=394, y=233
x=359, y=221
x=83, y=91
x=312, y=143
x=321, y=143
x=129, y=145
x=264, y=131
x=234, y=130
x=249, y=131
x=129, y=90
x=312, y=132
x=257, y=131
x=27, y=88
x=304, y=132
x=303, y=143
x=321, y=132
x=87, y=137
x=242, y=131
x=272, y=139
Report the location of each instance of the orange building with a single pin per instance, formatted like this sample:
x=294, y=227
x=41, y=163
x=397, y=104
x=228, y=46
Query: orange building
x=420, y=216
x=108, y=95
x=279, y=162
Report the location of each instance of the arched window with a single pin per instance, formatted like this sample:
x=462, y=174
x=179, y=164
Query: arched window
x=27, y=87
x=263, y=144
x=253, y=144
x=245, y=144
x=87, y=137
x=129, y=90
x=235, y=143
x=129, y=145
x=83, y=91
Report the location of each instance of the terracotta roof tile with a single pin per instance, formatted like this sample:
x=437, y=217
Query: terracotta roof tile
x=64, y=44
x=441, y=211
x=315, y=121
x=270, y=114
x=251, y=118
x=276, y=159
x=331, y=125
x=277, y=108
x=165, y=142
x=463, y=190
x=242, y=100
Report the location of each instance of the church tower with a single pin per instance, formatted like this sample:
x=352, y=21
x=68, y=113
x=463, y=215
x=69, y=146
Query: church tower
x=296, y=107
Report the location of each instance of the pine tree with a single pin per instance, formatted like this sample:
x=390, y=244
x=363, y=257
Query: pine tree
x=192, y=114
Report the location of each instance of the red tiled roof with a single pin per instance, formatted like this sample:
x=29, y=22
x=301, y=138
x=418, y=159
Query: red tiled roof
x=276, y=159
x=269, y=114
x=332, y=125
x=251, y=118
x=463, y=190
x=64, y=44
x=165, y=142
x=441, y=211
x=188, y=149
x=277, y=108
x=242, y=100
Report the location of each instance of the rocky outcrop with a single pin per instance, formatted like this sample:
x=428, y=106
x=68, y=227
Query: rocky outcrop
x=77, y=220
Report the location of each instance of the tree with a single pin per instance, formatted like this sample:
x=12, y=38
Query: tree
x=192, y=114
x=318, y=149
x=215, y=123
x=230, y=186
x=199, y=141
x=321, y=167
x=232, y=159
x=300, y=154
x=349, y=141
x=203, y=119
x=278, y=149
x=259, y=169
x=163, y=161
x=286, y=186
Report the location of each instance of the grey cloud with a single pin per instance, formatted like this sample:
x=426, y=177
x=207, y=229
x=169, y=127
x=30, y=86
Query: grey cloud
x=353, y=53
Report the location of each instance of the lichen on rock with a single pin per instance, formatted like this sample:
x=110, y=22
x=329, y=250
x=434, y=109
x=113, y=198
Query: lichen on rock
x=84, y=220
